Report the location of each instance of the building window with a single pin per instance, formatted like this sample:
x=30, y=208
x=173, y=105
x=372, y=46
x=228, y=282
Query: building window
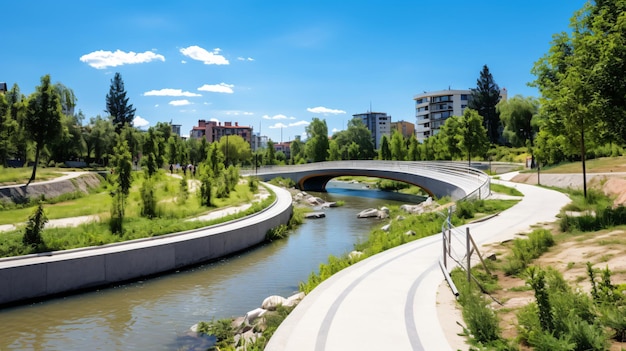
x=463, y=96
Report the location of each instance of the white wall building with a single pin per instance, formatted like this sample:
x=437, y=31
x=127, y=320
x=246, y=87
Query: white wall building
x=432, y=109
x=378, y=123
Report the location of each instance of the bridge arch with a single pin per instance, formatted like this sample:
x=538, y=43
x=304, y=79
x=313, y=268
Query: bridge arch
x=438, y=179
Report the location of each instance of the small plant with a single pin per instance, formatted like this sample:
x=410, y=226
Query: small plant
x=183, y=193
x=34, y=227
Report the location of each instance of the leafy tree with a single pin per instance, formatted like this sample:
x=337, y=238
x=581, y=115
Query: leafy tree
x=122, y=180
x=473, y=139
x=519, y=117
x=358, y=133
x=398, y=146
x=484, y=99
x=446, y=143
x=297, y=148
x=8, y=127
x=237, y=149
x=316, y=147
x=17, y=113
x=270, y=153
x=354, y=151
x=385, y=152
x=414, y=149
x=99, y=138
x=117, y=104
x=151, y=152
x=568, y=78
x=334, y=154
x=43, y=118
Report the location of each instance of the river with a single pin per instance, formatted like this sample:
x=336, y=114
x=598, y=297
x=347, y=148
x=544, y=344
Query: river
x=156, y=314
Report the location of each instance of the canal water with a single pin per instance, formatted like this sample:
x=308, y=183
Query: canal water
x=156, y=314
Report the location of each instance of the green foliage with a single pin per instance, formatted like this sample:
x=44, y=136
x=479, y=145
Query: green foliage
x=34, y=227
x=526, y=250
x=283, y=182
x=503, y=189
x=384, y=153
x=484, y=99
x=253, y=183
x=316, y=147
x=148, y=199
x=183, y=193
x=117, y=104
x=222, y=330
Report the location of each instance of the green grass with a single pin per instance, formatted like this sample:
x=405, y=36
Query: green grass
x=598, y=165
x=171, y=216
x=9, y=176
x=507, y=190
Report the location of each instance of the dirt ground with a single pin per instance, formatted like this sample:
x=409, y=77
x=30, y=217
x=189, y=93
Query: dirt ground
x=570, y=255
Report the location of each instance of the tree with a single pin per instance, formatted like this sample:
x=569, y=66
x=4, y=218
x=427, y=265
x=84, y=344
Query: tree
x=316, y=147
x=519, y=117
x=334, y=154
x=385, y=152
x=98, y=136
x=484, y=99
x=17, y=113
x=7, y=128
x=122, y=180
x=414, y=149
x=473, y=138
x=236, y=148
x=34, y=227
x=43, y=118
x=357, y=133
x=446, y=143
x=296, y=151
x=270, y=153
x=574, y=84
x=398, y=146
x=117, y=105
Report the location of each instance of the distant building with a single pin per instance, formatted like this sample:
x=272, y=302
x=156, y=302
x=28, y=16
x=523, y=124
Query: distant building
x=176, y=129
x=378, y=123
x=285, y=147
x=432, y=109
x=407, y=129
x=258, y=141
x=214, y=131
x=3, y=87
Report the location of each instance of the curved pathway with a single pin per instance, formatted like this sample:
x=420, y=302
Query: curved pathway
x=388, y=301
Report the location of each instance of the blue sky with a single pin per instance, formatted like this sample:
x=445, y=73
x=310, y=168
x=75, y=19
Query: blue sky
x=274, y=65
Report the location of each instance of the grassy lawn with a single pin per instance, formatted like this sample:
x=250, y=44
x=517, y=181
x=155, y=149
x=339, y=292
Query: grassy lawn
x=10, y=176
x=598, y=165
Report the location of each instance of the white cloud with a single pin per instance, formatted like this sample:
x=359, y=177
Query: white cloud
x=325, y=110
x=245, y=59
x=180, y=102
x=170, y=92
x=238, y=113
x=218, y=88
x=278, y=125
x=140, y=122
x=299, y=123
x=335, y=130
x=208, y=58
x=279, y=116
x=214, y=120
x=102, y=59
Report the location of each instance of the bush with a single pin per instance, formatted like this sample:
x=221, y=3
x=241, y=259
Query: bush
x=34, y=227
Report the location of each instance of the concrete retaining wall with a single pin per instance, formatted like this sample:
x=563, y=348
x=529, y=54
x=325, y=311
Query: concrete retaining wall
x=37, y=276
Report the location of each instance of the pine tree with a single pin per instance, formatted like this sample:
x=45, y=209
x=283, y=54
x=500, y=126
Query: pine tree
x=484, y=99
x=117, y=104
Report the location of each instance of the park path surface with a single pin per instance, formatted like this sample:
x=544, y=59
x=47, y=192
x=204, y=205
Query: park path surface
x=389, y=301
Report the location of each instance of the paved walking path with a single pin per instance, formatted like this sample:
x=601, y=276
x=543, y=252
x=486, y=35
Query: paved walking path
x=389, y=301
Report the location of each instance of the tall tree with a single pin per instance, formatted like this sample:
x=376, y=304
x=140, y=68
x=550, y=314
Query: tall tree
x=385, y=152
x=117, y=104
x=17, y=111
x=573, y=79
x=473, y=138
x=122, y=180
x=316, y=147
x=398, y=146
x=7, y=127
x=43, y=118
x=519, y=117
x=484, y=99
x=270, y=153
x=296, y=151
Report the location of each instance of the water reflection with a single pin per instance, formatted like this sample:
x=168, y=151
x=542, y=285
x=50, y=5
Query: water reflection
x=156, y=314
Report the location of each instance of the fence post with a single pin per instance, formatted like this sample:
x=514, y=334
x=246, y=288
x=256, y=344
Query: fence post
x=469, y=259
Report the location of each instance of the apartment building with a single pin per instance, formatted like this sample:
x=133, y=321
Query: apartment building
x=432, y=109
x=214, y=131
x=407, y=129
x=378, y=123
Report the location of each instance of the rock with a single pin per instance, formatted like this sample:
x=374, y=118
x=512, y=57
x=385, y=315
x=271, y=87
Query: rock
x=383, y=214
x=492, y=257
x=354, y=254
x=254, y=314
x=399, y=218
x=409, y=232
x=270, y=303
x=294, y=299
x=386, y=227
x=315, y=215
x=368, y=213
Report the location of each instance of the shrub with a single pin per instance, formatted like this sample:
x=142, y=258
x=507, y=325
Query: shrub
x=34, y=227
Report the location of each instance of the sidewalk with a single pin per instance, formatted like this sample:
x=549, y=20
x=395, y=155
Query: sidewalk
x=389, y=301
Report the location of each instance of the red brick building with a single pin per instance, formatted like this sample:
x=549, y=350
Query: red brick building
x=214, y=131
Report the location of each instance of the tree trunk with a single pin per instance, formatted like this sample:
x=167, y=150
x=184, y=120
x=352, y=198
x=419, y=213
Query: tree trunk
x=32, y=176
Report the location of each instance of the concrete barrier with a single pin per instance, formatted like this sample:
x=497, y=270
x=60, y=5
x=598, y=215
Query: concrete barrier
x=61, y=272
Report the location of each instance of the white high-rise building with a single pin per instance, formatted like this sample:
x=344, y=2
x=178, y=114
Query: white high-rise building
x=378, y=123
x=432, y=109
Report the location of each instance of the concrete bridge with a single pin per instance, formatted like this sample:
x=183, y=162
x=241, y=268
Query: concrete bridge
x=438, y=179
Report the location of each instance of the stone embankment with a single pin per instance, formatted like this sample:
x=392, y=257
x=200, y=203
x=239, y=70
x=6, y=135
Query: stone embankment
x=70, y=183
